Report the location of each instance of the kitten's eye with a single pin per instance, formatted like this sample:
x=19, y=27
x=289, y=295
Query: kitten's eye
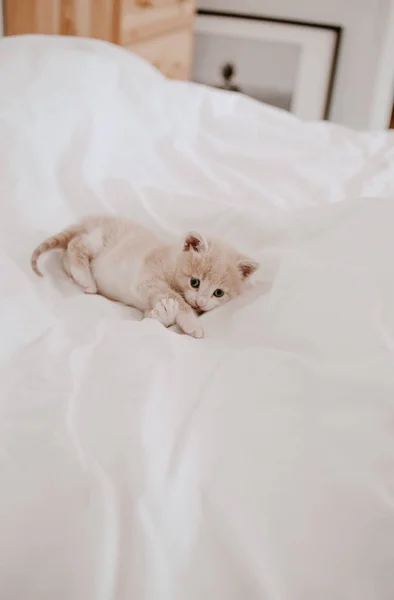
x=195, y=283
x=218, y=293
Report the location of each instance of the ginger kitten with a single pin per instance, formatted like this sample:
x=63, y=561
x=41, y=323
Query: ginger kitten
x=171, y=283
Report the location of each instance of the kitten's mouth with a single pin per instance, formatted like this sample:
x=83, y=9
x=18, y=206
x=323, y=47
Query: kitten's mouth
x=197, y=309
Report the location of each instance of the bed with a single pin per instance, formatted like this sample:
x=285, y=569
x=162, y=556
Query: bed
x=256, y=464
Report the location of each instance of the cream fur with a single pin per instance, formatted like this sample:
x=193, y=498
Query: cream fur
x=126, y=262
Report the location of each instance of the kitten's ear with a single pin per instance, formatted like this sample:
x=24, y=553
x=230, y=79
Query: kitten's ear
x=247, y=266
x=195, y=241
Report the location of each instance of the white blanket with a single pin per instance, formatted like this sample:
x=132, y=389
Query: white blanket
x=137, y=463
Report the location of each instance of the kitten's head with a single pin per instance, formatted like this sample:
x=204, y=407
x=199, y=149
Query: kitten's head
x=210, y=272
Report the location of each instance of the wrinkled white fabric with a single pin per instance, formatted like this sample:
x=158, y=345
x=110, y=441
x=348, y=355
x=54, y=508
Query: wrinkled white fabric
x=135, y=462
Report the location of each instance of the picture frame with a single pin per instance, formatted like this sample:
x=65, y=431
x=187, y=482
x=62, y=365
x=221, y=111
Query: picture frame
x=288, y=64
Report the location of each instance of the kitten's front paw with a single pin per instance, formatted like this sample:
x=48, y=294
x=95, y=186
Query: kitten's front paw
x=90, y=289
x=190, y=325
x=197, y=333
x=165, y=311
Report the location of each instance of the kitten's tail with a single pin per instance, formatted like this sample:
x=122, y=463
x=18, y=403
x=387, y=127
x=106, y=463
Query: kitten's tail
x=60, y=240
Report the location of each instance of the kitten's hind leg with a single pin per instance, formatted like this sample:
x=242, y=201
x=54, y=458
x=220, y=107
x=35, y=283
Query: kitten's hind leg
x=66, y=266
x=79, y=254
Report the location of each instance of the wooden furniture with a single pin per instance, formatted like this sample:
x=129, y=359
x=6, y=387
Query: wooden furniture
x=161, y=31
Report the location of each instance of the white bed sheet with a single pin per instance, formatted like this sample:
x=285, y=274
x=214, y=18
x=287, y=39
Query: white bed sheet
x=135, y=462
